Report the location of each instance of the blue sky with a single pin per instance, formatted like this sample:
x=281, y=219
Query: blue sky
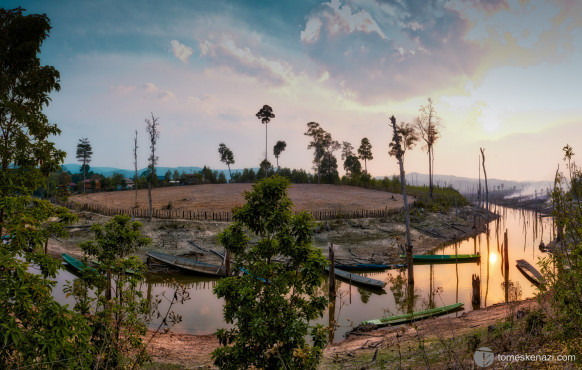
x=504, y=75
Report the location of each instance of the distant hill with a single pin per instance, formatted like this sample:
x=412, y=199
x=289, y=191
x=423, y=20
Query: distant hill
x=160, y=171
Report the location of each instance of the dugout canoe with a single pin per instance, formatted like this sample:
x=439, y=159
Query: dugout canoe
x=75, y=264
x=415, y=316
x=444, y=258
x=530, y=272
x=366, y=267
x=358, y=280
x=187, y=264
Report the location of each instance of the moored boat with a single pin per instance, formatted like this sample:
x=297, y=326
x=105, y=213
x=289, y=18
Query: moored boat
x=530, y=272
x=75, y=264
x=444, y=258
x=366, y=267
x=358, y=280
x=414, y=316
x=187, y=264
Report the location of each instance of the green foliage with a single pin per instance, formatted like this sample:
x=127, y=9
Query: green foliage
x=562, y=270
x=271, y=306
x=25, y=86
x=84, y=153
x=226, y=155
x=34, y=328
x=278, y=149
x=365, y=152
x=117, y=318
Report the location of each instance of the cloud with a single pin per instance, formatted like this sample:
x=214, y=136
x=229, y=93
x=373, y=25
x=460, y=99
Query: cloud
x=122, y=89
x=339, y=19
x=166, y=95
x=181, y=51
x=150, y=87
x=223, y=50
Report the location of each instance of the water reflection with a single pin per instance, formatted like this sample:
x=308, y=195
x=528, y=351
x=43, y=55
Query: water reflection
x=435, y=285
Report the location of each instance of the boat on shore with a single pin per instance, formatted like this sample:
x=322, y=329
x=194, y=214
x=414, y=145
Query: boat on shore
x=444, y=258
x=187, y=264
x=358, y=280
x=530, y=272
x=414, y=316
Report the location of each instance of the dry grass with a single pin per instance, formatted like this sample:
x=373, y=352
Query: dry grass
x=222, y=197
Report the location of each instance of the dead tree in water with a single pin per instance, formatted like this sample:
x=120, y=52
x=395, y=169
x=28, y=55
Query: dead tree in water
x=486, y=190
x=404, y=137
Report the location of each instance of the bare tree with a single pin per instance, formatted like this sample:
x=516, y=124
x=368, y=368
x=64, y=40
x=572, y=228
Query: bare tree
x=265, y=115
x=154, y=134
x=428, y=124
x=404, y=137
x=135, y=165
x=486, y=190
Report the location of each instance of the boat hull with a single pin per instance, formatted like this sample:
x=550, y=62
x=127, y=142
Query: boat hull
x=415, y=316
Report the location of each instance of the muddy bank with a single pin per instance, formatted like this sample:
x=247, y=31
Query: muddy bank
x=368, y=240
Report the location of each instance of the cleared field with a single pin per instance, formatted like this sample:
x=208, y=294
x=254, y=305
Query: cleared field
x=222, y=197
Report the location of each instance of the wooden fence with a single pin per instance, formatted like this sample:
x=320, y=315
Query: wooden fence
x=220, y=216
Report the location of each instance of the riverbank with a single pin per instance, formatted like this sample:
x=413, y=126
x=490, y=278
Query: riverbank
x=357, y=351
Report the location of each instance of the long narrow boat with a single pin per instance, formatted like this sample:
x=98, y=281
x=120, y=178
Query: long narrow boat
x=415, y=316
x=366, y=267
x=74, y=263
x=530, y=272
x=444, y=258
x=187, y=264
x=358, y=279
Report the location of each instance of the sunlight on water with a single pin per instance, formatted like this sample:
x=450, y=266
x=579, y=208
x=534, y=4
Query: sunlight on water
x=435, y=285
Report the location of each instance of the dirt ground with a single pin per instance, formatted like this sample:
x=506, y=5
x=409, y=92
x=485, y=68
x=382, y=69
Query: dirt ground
x=377, y=240
x=222, y=197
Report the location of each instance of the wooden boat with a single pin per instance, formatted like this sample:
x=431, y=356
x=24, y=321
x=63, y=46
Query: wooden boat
x=366, y=267
x=530, y=272
x=75, y=264
x=358, y=280
x=415, y=316
x=187, y=264
x=444, y=258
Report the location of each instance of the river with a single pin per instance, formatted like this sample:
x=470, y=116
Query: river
x=435, y=285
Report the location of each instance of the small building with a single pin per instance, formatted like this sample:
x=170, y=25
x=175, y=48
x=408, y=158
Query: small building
x=88, y=185
x=129, y=184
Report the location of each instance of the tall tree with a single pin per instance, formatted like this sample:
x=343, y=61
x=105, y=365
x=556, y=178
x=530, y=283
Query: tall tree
x=428, y=124
x=265, y=115
x=319, y=140
x=36, y=330
x=278, y=149
x=365, y=152
x=154, y=134
x=135, y=179
x=403, y=138
x=84, y=153
x=226, y=156
x=347, y=150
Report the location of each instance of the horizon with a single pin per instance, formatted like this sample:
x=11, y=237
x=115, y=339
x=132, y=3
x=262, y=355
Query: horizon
x=503, y=76
x=408, y=179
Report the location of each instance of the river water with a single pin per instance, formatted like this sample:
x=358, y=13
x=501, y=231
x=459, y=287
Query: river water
x=435, y=285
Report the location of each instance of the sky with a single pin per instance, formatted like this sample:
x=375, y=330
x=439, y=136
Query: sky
x=503, y=75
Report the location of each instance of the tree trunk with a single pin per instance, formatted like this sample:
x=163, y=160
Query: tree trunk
x=229, y=174
x=430, y=185
x=266, y=150
x=407, y=218
x=486, y=190
x=150, y=197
